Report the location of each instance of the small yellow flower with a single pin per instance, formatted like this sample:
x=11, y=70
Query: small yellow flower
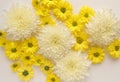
x=15, y=66
x=50, y=3
x=27, y=59
x=81, y=40
x=47, y=67
x=25, y=73
x=43, y=11
x=30, y=45
x=2, y=38
x=63, y=10
x=86, y=13
x=47, y=20
x=39, y=60
x=12, y=50
x=36, y=4
x=74, y=23
x=52, y=78
x=114, y=49
x=96, y=54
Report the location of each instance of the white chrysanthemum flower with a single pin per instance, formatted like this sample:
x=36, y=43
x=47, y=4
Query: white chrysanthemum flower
x=103, y=28
x=73, y=67
x=21, y=22
x=55, y=41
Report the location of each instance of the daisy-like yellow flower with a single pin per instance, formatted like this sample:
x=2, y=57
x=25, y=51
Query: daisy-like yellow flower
x=39, y=60
x=114, y=49
x=81, y=40
x=27, y=59
x=36, y=4
x=30, y=45
x=15, y=66
x=63, y=10
x=47, y=67
x=47, y=20
x=43, y=11
x=86, y=13
x=52, y=78
x=50, y=3
x=96, y=55
x=74, y=23
x=2, y=38
x=25, y=73
x=12, y=50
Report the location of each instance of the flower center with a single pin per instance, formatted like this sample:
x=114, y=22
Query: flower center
x=63, y=10
x=14, y=65
x=14, y=50
x=79, y=40
x=25, y=73
x=74, y=23
x=1, y=34
x=117, y=48
x=53, y=79
x=47, y=68
x=27, y=57
x=86, y=15
x=30, y=45
x=96, y=54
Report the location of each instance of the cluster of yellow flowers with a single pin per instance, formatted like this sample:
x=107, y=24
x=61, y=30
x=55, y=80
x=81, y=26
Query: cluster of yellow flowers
x=23, y=53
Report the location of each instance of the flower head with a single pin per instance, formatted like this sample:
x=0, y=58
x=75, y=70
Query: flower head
x=21, y=22
x=52, y=78
x=63, y=10
x=39, y=60
x=55, y=41
x=96, y=54
x=15, y=66
x=25, y=73
x=73, y=67
x=103, y=28
x=114, y=49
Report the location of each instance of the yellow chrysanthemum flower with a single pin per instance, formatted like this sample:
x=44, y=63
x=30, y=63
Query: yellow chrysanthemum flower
x=96, y=54
x=50, y=3
x=52, y=78
x=74, y=23
x=30, y=45
x=39, y=60
x=36, y=4
x=86, y=13
x=25, y=73
x=114, y=49
x=2, y=38
x=81, y=40
x=27, y=59
x=63, y=10
x=15, y=66
x=47, y=20
x=43, y=11
x=47, y=67
x=12, y=50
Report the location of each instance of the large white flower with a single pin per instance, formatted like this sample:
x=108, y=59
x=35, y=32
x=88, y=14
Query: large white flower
x=21, y=22
x=73, y=67
x=103, y=28
x=55, y=41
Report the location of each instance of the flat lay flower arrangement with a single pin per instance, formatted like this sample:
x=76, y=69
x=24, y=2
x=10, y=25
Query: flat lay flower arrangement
x=62, y=44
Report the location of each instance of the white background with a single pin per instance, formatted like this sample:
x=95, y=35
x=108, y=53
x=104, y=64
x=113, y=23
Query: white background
x=108, y=71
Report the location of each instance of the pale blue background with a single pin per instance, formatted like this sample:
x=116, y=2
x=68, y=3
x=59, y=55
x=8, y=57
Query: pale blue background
x=108, y=71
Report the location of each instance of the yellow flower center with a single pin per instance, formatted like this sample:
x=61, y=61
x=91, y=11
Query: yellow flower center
x=30, y=45
x=14, y=50
x=27, y=57
x=1, y=34
x=25, y=73
x=53, y=79
x=46, y=68
x=79, y=40
x=74, y=23
x=15, y=65
x=86, y=15
x=117, y=48
x=96, y=54
x=63, y=10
